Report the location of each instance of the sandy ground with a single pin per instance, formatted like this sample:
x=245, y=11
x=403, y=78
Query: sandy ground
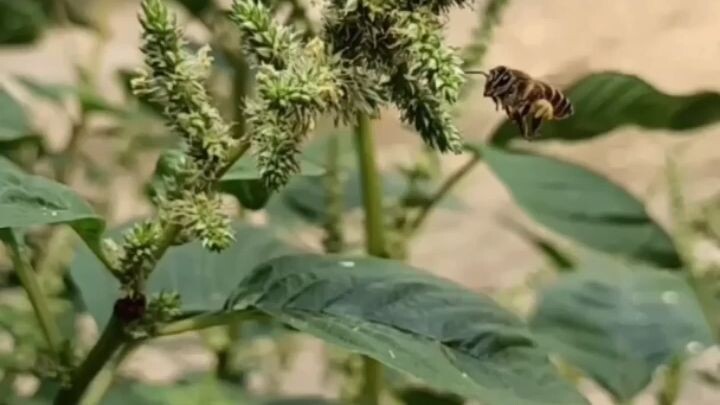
x=675, y=44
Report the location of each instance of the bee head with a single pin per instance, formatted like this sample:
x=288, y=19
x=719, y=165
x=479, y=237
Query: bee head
x=497, y=78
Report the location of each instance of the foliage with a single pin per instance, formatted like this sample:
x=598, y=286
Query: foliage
x=238, y=117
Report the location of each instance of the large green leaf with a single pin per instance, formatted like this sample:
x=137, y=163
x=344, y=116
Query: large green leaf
x=608, y=100
x=27, y=200
x=202, y=278
x=582, y=205
x=428, y=327
x=618, y=322
x=14, y=123
x=244, y=181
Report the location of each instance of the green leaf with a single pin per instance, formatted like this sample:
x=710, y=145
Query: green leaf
x=49, y=91
x=583, y=206
x=243, y=180
x=202, y=278
x=452, y=338
x=560, y=260
x=14, y=123
x=27, y=200
x=89, y=99
x=305, y=198
x=608, y=100
x=618, y=322
x=425, y=396
x=21, y=22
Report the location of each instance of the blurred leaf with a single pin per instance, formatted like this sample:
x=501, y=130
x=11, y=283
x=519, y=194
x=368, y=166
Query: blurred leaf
x=243, y=180
x=305, y=198
x=300, y=401
x=49, y=91
x=14, y=123
x=583, y=206
x=196, y=7
x=21, y=21
x=27, y=200
x=618, y=322
x=559, y=259
x=409, y=320
x=203, y=391
x=608, y=100
x=89, y=99
x=426, y=396
x=202, y=278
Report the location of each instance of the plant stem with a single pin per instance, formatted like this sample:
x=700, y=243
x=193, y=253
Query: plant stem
x=26, y=273
x=104, y=379
x=441, y=192
x=371, y=389
x=113, y=335
x=371, y=189
x=671, y=384
x=684, y=240
x=111, y=340
x=333, y=241
x=203, y=321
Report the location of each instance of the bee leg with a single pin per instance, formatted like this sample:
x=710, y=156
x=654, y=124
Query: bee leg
x=533, y=130
x=519, y=120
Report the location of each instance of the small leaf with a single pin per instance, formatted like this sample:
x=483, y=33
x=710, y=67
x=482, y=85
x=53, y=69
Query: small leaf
x=608, y=100
x=560, y=260
x=435, y=330
x=27, y=200
x=50, y=91
x=243, y=181
x=203, y=279
x=21, y=22
x=619, y=322
x=425, y=396
x=90, y=100
x=14, y=123
x=583, y=206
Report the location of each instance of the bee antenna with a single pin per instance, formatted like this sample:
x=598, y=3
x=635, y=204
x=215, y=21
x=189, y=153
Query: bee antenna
x=477, y=72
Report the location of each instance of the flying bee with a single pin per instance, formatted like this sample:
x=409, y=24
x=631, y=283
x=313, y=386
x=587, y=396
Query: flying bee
x=526, y=101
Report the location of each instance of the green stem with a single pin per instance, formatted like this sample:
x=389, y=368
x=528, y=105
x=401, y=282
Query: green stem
x=104, y=379
x=26, y=273
x=113, y=335
x=203, y=321
x=111, y=340
x=334, y=240
x=672, y=383
x=371, y=189
x=684, y=240
x=441, y=192
x=374, y=240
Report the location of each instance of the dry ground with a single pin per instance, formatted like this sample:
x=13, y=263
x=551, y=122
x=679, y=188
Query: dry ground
x=675, y=44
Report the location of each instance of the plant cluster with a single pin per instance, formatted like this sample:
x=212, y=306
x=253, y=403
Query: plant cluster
x=197, y=265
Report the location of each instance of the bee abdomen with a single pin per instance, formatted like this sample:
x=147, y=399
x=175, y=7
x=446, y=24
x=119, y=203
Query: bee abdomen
x=561, y=104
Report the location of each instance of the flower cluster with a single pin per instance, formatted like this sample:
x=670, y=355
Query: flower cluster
x=184, y=189
x=371, y=52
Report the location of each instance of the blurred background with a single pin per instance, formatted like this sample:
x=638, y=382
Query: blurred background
x=673, y=44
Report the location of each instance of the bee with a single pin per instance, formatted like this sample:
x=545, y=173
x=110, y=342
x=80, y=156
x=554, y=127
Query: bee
x=526, y=101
